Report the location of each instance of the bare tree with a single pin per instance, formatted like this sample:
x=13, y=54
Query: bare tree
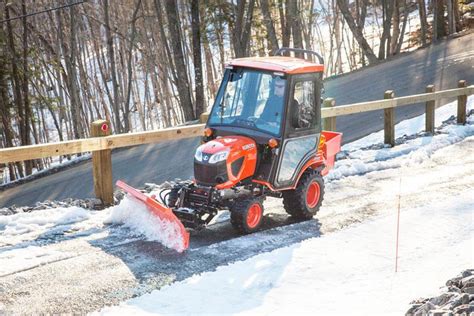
x=111, y=59
x=241, y=28
x=179, y=61
x=356, y=31
x=196, y=36
x=268, y=21
x=439, y=25
x=423, y=21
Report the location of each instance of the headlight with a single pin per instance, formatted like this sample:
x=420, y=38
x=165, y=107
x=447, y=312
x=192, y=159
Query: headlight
x=220, y=156
x=198, y=154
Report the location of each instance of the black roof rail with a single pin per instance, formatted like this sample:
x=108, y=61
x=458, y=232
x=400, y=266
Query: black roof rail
x=299, y=50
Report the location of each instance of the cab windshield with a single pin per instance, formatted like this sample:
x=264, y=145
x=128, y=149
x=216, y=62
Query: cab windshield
x=250, y=99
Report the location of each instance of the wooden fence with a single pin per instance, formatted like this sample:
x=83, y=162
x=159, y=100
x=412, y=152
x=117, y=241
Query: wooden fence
x=101, y=143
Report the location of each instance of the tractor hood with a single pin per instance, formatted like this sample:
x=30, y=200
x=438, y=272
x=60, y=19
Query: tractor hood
x=225, y=161
x=228, y=143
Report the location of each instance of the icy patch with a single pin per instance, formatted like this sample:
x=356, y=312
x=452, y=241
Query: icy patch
x=17, y=260
x=136, y=216
x=22, y=226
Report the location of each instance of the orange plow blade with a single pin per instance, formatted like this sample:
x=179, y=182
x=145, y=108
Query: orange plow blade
x=164, y=213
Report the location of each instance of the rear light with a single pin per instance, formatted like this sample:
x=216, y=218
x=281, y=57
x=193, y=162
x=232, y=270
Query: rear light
x=322, y=141
x=208, y=132
x=273, y=143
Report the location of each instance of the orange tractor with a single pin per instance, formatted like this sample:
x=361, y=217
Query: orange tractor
x=263, y=138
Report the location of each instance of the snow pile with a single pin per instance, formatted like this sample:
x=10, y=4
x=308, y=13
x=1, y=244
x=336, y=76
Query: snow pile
x=23, y=226
x=415, y=151
x=361, y=160
x=136, y=216
x=411, y=126
x=347, y=272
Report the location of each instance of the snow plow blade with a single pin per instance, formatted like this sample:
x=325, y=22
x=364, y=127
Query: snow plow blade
x=164, y=213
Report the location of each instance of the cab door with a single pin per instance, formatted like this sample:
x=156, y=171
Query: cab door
x=302, y=129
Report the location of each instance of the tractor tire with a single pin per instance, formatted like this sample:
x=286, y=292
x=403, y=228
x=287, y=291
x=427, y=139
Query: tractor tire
x=304, y=201
x=246, y=215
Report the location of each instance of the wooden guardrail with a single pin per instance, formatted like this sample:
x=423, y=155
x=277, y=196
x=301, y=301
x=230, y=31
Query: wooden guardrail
x=390, y=102
x=101, y=143
x=23, y=153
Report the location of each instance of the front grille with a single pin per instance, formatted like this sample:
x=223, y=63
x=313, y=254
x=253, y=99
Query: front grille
x=210, y=174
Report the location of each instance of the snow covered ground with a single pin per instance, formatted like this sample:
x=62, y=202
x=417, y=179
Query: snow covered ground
x=348, y=269
x=347, y=272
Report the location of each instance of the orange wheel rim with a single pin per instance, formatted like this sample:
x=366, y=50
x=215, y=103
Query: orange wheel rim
x=254, y=215
x=312, y=195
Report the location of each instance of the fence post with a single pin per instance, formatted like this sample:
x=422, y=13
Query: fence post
x=329, y=123
x=203, y=117
x=389, y=120
x=102, y=165
x=462, y=101
x=430, y=111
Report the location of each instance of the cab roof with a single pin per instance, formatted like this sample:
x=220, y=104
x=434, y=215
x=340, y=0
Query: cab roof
x=287, y=65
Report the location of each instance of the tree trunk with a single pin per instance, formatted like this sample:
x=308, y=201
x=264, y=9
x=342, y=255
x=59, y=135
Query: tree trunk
x=402, y=34
x=26, y=101
x=70, y=61
x=268, y=21
x=294, y=19
x=196, y=36
x=284, y=23
x=174, y=26
x=5, y=105
x=241, y=30
x=356, y=31
x=439, y=27
x=111, y=58
x=338, y=38
x=129, y=67
x=395, y=27
x=451, y=25
x=423, y=21
x=385, y=40
x=457, y=18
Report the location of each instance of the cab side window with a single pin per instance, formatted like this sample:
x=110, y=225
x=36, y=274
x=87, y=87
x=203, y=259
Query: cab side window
x=302, y=112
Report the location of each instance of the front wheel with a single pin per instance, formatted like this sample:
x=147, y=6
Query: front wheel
x=304, y=201
x=246, y=215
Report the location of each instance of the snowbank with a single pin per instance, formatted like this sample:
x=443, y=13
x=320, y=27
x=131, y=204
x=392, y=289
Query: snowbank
x=362, y=159
x=23, y=226
x=135, y=215
x=411, y=126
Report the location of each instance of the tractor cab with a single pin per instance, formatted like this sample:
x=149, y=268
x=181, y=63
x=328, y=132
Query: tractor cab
x=275, y=104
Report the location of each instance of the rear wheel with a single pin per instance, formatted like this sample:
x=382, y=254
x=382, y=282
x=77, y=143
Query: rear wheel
x=246, y=215
x=304, y=201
